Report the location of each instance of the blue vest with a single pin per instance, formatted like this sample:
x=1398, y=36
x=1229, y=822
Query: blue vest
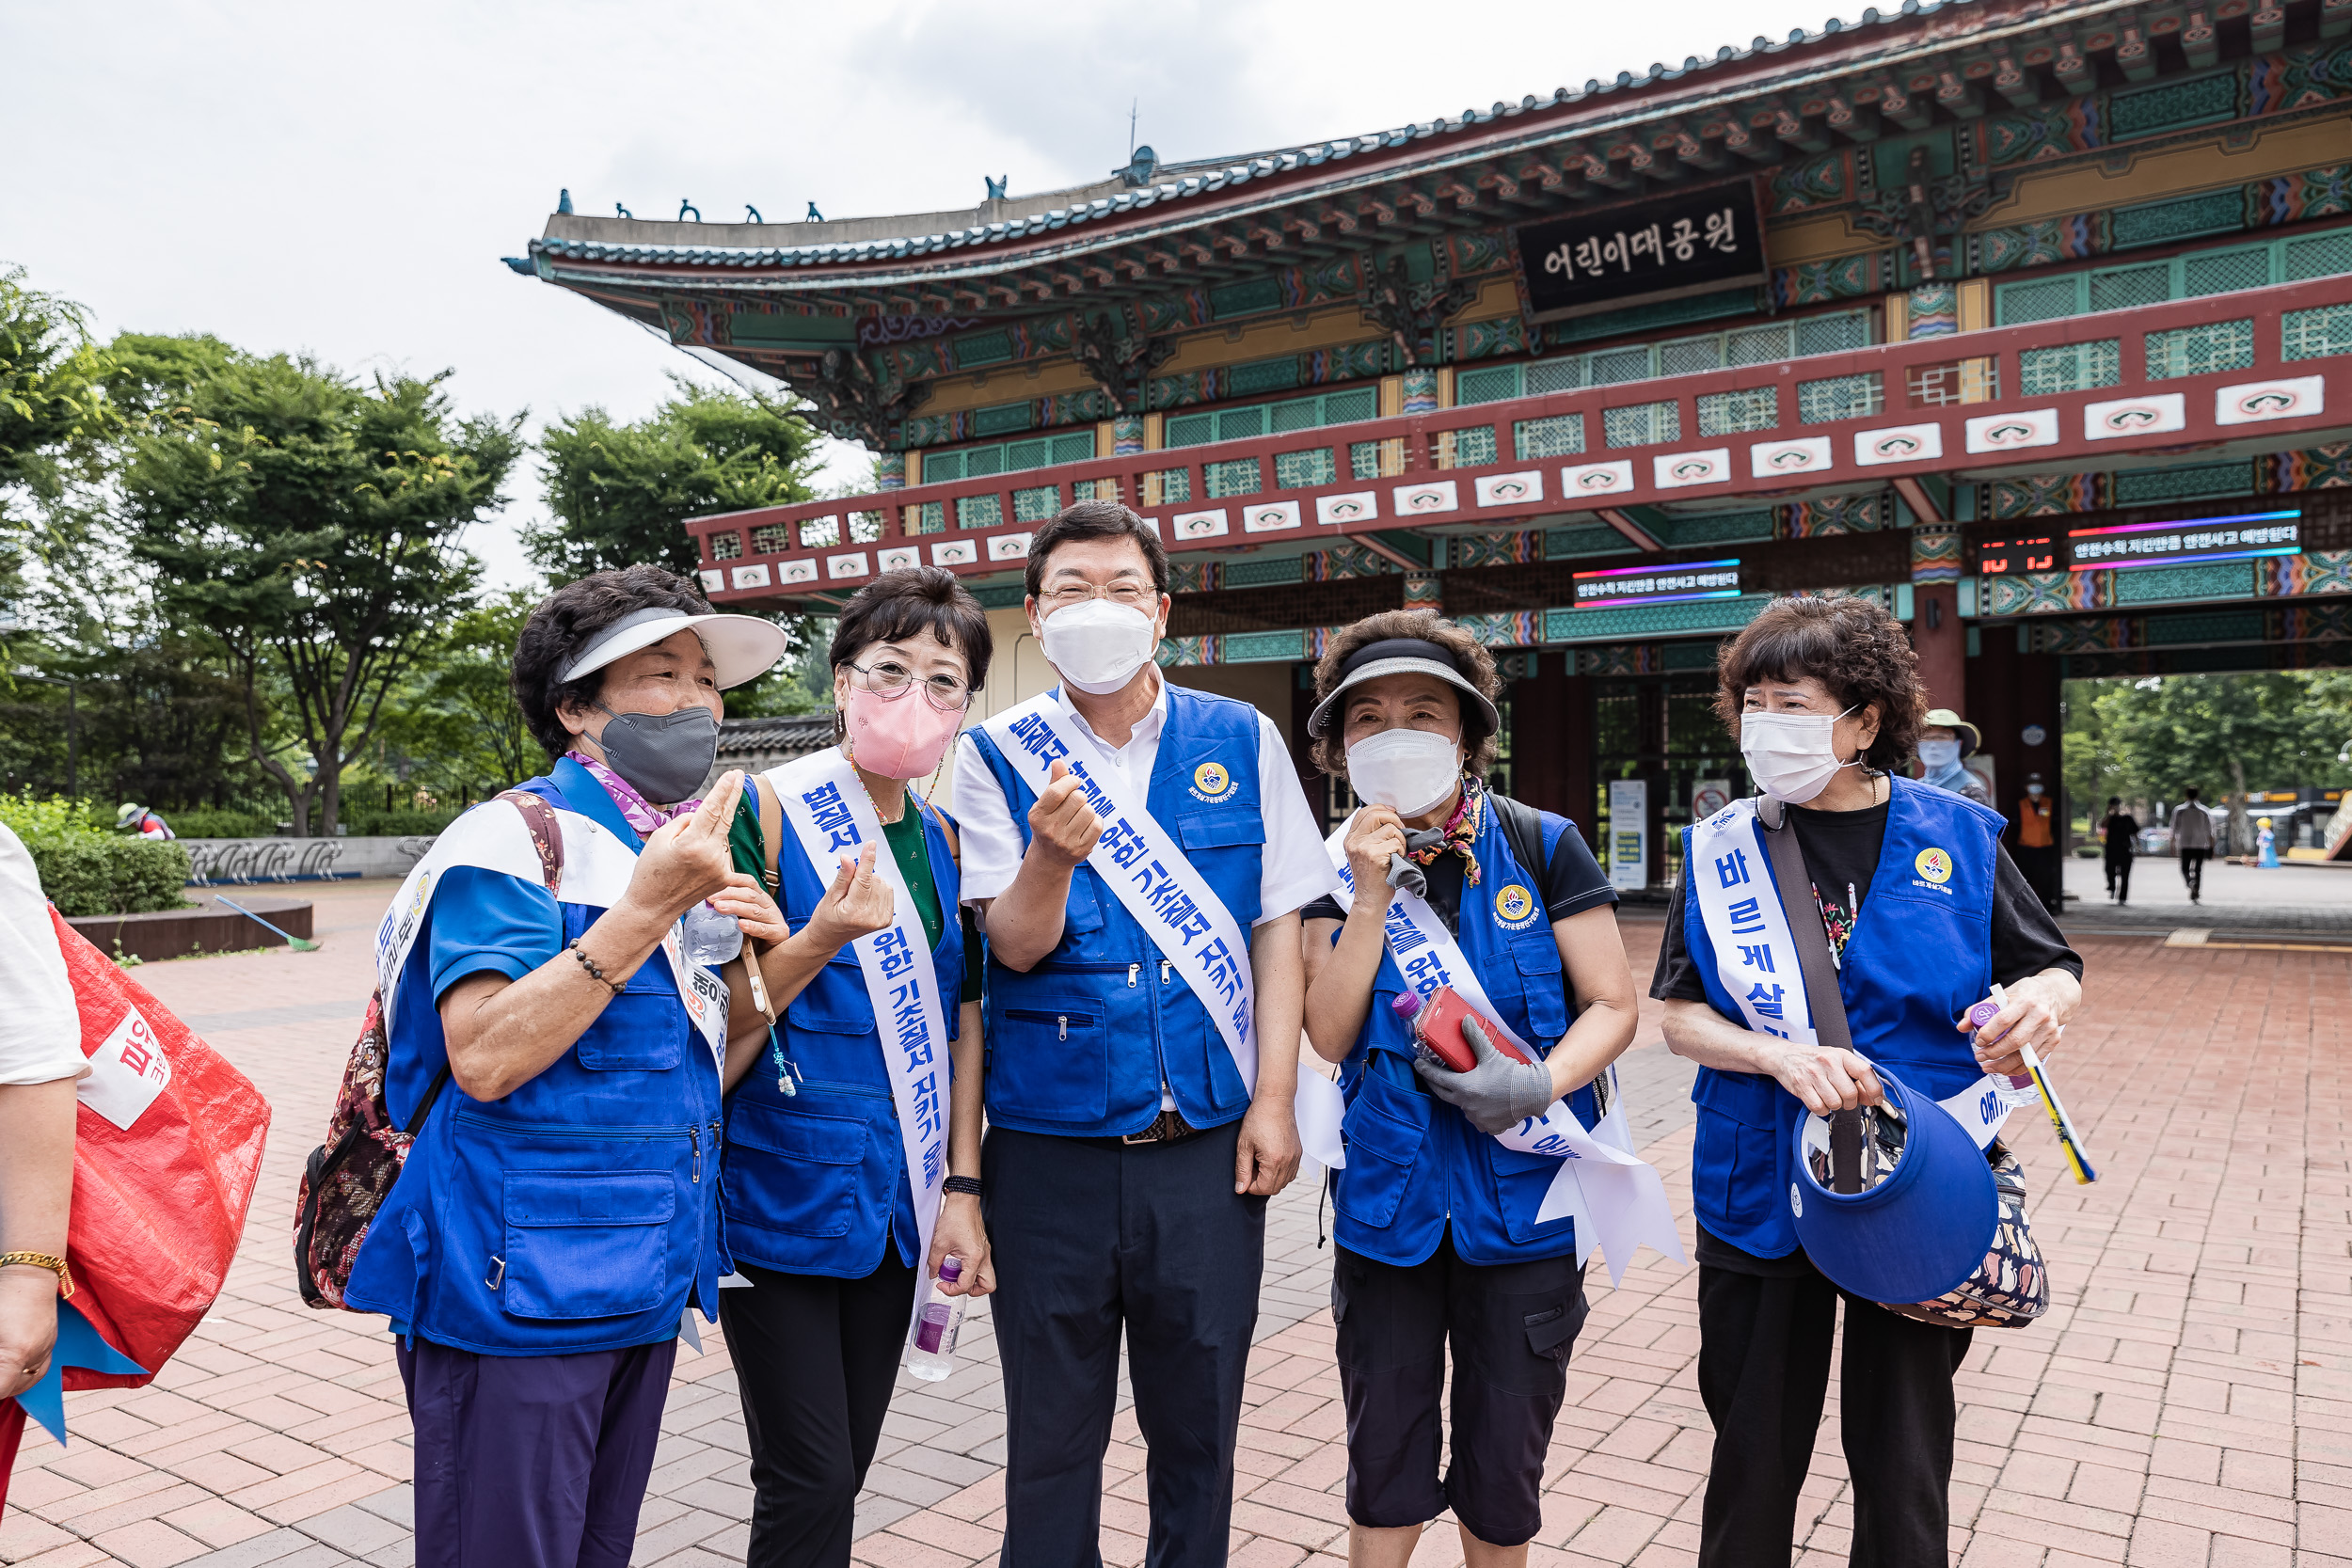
x=1415, y=1164
x=1080, y=1045
x=1920, y=955
x=579, y=1212
x=815, y=1181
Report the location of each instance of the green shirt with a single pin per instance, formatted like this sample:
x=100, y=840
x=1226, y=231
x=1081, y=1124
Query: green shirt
x=907, y=846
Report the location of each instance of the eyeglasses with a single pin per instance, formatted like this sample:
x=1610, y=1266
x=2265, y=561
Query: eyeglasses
x=889, y=678
x=1129, y=595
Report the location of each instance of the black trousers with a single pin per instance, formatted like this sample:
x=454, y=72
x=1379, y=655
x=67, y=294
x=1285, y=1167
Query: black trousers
x=814, y=1359
x=1091, y=1236
x=2193, y=871
x=1511, y=1325
x=2119, y=877
x=1764, y=1344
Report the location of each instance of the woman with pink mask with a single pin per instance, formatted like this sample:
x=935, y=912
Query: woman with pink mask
x=851, y=1165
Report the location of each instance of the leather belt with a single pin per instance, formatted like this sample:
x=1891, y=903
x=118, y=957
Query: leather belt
x=1168, y=1127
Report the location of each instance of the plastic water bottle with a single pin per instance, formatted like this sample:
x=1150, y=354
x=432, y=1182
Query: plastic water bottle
x=711, y=937
x=931, y=1348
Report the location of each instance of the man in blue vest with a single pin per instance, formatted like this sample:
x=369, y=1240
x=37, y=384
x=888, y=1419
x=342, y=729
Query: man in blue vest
x=1122, y=839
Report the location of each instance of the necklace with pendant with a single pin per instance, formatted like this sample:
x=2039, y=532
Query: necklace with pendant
x=859, y=774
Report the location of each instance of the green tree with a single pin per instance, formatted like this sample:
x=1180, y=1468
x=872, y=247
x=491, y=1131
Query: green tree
x=51, y=380
x=52, y=403
x=311, y=528
x=457, y=725
x=621, y=493
x=2150, y=737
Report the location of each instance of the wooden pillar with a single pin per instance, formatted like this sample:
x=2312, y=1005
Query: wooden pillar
x=1311, y=778
x=1941, y=641
x=1936, y=633
x=1551, y=740
x=1579, y=790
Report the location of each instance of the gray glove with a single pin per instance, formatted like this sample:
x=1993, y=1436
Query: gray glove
x=1403, y=873
x=1496, y=1093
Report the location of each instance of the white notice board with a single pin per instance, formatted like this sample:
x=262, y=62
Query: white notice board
x=1629, y=833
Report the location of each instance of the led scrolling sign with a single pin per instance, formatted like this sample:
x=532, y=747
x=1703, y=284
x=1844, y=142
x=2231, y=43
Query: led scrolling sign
x=2237, y=538
x=1691, y=579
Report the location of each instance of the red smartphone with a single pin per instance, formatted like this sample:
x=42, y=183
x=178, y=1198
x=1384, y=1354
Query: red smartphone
x=1437, y=1022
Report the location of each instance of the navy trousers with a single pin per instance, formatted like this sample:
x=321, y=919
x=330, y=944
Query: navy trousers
x=1091, y=1236
x=533, y=1461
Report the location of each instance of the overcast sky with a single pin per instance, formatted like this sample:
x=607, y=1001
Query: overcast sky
x=341, y=182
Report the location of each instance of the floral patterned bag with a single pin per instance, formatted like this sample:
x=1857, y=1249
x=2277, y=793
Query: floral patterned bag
x=2011, y=1288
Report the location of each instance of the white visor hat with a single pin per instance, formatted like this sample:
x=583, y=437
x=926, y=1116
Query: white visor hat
x=1400, y=656
x=742, y=647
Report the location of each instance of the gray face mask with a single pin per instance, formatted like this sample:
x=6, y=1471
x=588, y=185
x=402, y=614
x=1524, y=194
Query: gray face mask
x=663, y=756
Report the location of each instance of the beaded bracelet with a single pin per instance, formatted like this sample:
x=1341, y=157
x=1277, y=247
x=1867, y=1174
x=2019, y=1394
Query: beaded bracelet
x=970, y=1184
x=590, y=965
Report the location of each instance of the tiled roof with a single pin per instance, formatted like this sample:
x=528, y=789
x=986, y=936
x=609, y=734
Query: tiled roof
x=1211, y=178
x=794, y=734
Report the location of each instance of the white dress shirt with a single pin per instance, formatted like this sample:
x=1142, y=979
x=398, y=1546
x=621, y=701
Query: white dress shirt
x=1294, y=872
x=40, y=1029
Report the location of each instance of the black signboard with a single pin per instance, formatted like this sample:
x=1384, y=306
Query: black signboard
x=1687, y=243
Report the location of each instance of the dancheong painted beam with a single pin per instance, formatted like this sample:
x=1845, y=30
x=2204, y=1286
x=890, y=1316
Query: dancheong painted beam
x=2260, y=369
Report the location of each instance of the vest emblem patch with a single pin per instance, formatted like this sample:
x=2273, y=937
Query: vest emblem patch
x=1210, y=782
x=1513, y=905
x=1935, y=865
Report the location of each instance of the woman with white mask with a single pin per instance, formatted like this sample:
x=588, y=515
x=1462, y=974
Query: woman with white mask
x=1439, y=1226
x=1923, y=916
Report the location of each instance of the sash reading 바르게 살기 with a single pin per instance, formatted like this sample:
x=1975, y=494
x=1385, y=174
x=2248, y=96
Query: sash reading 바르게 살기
x=1615, y=1198
x=1152, y=881
x=1756, y=955
x=593, y=868
x=831, y=815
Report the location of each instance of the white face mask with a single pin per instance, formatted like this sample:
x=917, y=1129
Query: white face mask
x=1411, y=771
x=1098, y=646
x=1790, y=754
x=1936, y=755
x=2033, y=789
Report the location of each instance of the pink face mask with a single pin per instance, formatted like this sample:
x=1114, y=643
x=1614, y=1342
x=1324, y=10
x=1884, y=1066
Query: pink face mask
x=901, y=737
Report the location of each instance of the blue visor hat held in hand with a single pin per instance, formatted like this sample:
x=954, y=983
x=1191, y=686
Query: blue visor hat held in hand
x=1924, y=1211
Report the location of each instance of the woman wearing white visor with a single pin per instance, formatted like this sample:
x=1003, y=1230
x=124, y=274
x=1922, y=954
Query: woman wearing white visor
x=552, y=1047
x=1441, y=1230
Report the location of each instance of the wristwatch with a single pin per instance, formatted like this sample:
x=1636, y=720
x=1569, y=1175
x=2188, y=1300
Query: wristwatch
x=42, y=1260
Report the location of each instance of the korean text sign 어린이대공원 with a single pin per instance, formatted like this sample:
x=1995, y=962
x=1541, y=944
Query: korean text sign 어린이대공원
x=1690, y=242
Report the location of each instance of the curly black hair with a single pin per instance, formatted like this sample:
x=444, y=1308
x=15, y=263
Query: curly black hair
x=1852, y=647
x=567, y=621
x=1471, y=660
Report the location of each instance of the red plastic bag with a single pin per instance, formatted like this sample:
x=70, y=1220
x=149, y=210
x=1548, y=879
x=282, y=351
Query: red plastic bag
x=158, y=1204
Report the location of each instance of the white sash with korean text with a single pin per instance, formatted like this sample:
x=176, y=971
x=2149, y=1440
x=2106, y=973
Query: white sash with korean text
x=1614, y=1197
x=593, y=868
x=833, y=818
x=1755, y=953
x=1166, y=893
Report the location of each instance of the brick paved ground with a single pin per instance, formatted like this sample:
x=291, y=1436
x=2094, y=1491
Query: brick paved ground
x=2189, y=1401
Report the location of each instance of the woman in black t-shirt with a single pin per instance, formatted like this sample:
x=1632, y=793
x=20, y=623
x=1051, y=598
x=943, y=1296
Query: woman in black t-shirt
x=1825, y=696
